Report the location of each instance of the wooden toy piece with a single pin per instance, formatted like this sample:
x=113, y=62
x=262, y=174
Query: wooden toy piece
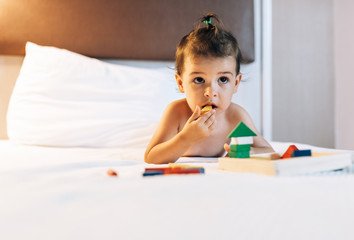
x=206, y=109
x=240, y=147
x=241, y=130
x=289, y=151
x=239, y=154
x=241, y=140
x=266, y=156
x=317, y=163
x=112, y=173
x=301, y=153
x=240, y=151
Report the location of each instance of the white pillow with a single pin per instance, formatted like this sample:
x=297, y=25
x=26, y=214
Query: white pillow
x=65, y=99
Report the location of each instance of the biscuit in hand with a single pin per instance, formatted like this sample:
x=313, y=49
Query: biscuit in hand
x=206, y=109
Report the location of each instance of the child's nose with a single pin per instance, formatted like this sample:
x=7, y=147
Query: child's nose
x=210, y=92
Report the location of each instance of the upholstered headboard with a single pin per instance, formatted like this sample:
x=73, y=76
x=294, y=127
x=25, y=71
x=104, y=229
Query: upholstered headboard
x=117, y=29
x=128, y=29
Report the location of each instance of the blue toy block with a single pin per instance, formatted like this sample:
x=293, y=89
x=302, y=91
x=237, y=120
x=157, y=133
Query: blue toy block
x=301, y=153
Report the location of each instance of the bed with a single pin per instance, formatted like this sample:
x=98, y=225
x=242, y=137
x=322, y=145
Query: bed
x=53, y=168
x=65, y=193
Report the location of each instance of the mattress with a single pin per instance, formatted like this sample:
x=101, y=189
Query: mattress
x=65, y=193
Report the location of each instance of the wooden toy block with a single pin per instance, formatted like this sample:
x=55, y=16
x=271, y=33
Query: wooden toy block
x=317, y=163
x=241, y=130
x=206, y=109
x=245, y=154
x=241, y=140
x=266, y=156
x=241, y=147
x=289, y=151
x=301, y=153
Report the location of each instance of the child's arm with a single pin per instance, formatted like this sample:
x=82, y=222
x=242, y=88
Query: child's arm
x=168, y=143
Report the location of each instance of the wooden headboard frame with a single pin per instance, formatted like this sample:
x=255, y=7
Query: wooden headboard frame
x=124, y=29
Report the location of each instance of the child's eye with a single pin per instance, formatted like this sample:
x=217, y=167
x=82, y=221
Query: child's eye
x=198, y=80
x=223, y=80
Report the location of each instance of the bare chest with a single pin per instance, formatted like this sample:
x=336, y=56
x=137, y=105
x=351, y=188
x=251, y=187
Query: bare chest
x=212, y=146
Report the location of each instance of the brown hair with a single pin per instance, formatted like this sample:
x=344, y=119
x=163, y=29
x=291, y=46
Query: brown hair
x=210, y=40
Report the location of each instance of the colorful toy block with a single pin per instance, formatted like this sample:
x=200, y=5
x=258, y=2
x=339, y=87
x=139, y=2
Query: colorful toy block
x=301, y=153
x=241, y=147
x=241, y=140
x=243, y=154
x=241, y=130
x=266, y=156
x=289, y=151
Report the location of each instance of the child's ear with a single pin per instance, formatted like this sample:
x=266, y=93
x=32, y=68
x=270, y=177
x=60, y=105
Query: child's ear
x=179, y=82
x=237, y=82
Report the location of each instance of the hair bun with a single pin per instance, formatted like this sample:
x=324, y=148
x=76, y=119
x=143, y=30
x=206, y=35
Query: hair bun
x=207, y=19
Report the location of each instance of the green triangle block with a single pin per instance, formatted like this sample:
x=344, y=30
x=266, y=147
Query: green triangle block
x=241, y=130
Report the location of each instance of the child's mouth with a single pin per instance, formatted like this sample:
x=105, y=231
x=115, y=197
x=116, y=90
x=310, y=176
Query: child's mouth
x=212, y=105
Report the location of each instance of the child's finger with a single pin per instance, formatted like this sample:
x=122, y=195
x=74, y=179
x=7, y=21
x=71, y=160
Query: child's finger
x=213, y=125
x=210, y=120
x=227, y=147
x=195, y=114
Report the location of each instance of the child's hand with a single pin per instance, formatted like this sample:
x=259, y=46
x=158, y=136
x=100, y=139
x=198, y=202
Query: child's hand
x=199, y=126
x=227, y=147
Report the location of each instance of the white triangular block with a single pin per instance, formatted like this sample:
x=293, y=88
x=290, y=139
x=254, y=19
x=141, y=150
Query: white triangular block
x=241, y=140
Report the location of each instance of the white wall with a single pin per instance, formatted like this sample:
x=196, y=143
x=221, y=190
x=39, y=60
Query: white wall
x=313, y=83
x=303, y=71
x=249, y=94
x=344, y=65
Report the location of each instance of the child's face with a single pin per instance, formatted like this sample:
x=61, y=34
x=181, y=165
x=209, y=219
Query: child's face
x=209, y=81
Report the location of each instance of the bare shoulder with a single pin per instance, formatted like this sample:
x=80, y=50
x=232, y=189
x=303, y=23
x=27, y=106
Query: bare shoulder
x=177, y=110
x=174, y=115
x=237, y=114
x=178, y=105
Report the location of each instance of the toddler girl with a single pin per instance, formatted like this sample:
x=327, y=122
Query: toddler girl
x=208, y=73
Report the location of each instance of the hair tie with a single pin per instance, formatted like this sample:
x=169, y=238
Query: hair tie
x=207, y=21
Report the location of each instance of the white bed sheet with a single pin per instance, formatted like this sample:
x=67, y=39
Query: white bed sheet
x=65, y=193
